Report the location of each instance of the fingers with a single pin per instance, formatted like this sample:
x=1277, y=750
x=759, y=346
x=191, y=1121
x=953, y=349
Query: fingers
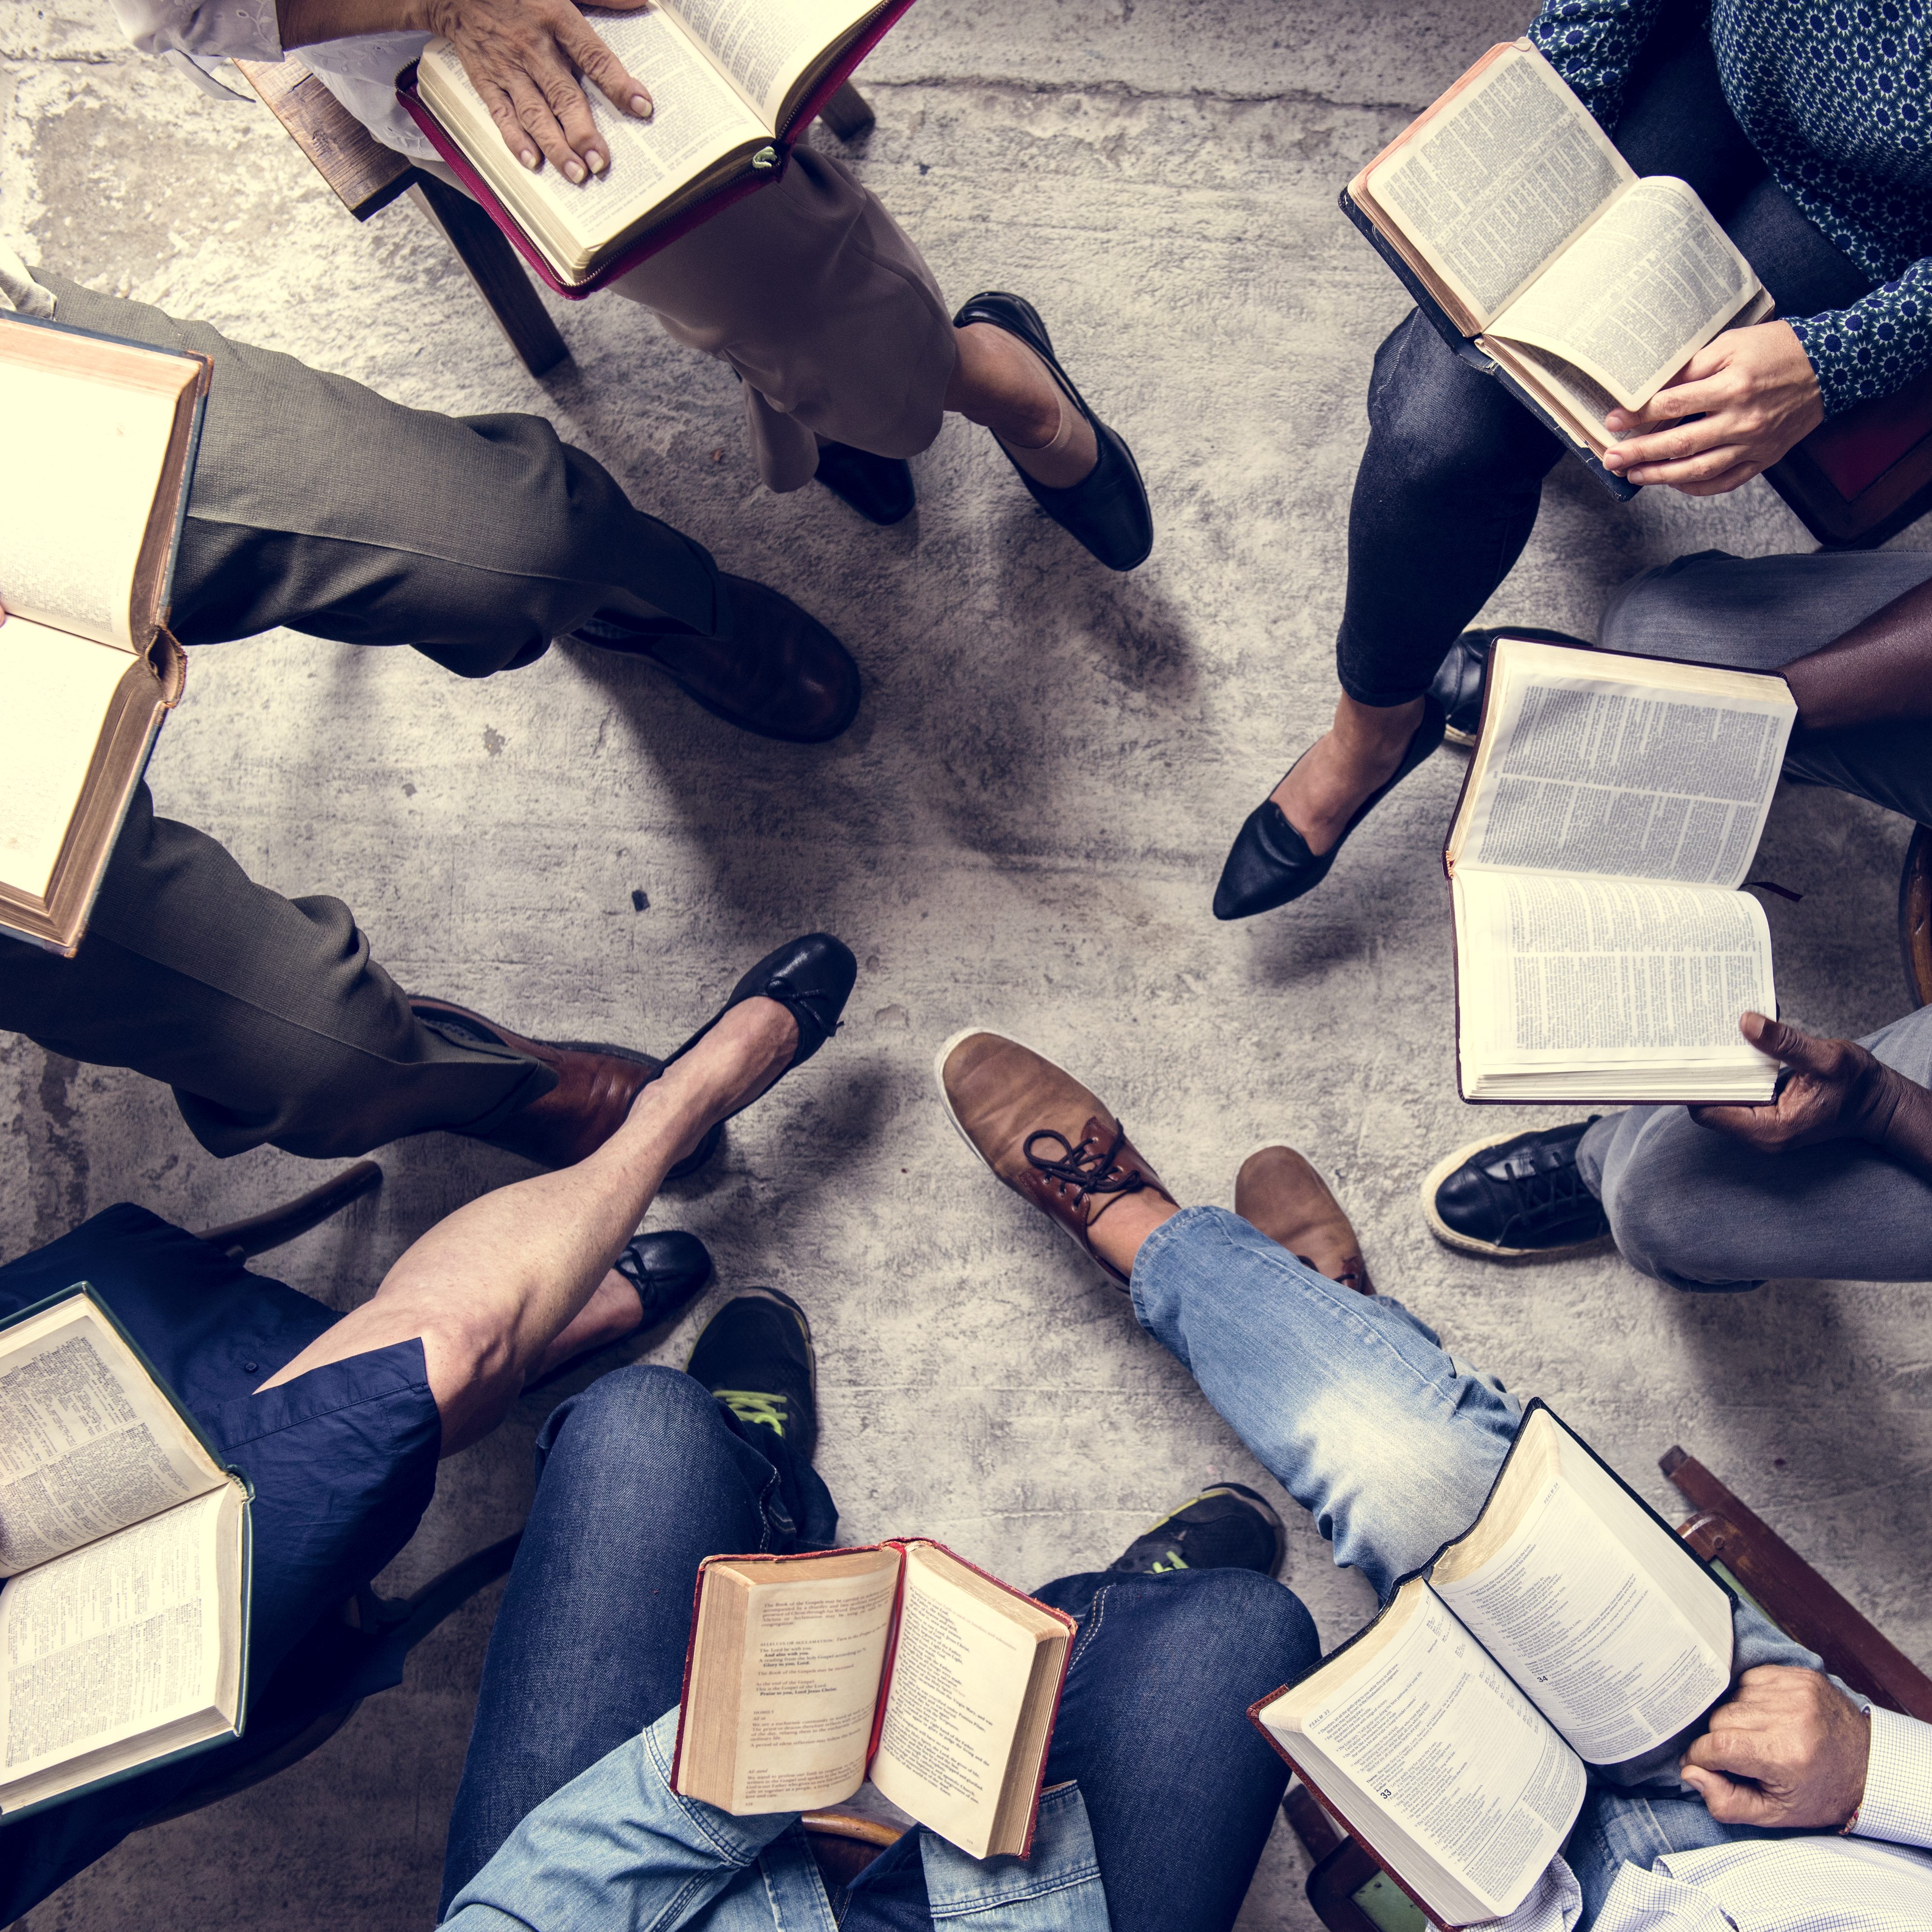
x=1729, y=1802
x=1681, y=399
x=597, y=62
x=1706, y=459
x=537, y=119
x=1791, y=1044
x=502, y=111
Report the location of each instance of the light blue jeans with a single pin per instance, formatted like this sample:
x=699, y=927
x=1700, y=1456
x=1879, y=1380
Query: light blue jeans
x=1391, y=1444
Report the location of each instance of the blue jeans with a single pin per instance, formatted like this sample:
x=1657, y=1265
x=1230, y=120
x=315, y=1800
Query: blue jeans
x=1451, y=480
x=643, y=1475
x=1358, y=1412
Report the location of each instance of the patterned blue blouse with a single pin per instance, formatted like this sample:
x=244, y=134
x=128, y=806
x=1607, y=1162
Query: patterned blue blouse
x=1836, y=96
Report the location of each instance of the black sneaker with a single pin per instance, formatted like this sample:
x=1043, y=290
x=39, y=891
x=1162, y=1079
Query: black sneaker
x=755, y=1357
x=1229, y=1527
x=1515, y=1195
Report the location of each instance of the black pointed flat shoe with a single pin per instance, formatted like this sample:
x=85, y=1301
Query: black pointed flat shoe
x=812, y=978
x=1107, y=510
x=879, y=487
x=668, y=1268
x=1270, y=863
x=1458, y=684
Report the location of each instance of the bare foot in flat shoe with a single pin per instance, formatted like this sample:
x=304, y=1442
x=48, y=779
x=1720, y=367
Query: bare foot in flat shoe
x=1353, y=758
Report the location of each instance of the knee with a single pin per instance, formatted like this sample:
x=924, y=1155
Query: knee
x=1433, y=425
x=1659, y=1213
x=1244, y=1625
x=643, y=1418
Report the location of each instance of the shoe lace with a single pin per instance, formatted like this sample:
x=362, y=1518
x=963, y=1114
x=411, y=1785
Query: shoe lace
x=754, y=1405
x=1083, y=1167
x=1544, y=1190
x=1173, y=1560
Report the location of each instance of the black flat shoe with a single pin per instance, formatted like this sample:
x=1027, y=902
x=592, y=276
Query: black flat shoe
x=668, y=1268
x=1107, y=510
x=812, y=978
x=1270, y=863
x=879, y=487
x=1458, y=684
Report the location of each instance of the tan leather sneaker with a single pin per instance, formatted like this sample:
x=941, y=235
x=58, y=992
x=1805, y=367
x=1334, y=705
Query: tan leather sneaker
x=1049, y=1139
x=1280, y=1192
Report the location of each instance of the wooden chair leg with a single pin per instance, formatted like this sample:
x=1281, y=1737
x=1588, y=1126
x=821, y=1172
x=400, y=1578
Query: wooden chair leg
x=493, y=267
x=849, y=114
x=259, y=1233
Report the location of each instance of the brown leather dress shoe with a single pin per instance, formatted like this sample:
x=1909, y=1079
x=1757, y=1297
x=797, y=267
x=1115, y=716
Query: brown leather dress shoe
x=1278, y=1191
x=781, y=673
x=595, y=1087
x=1049, y=1139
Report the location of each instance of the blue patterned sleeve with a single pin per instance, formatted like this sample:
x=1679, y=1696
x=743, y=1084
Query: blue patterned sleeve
x=1875, y=347
x=1591, y=43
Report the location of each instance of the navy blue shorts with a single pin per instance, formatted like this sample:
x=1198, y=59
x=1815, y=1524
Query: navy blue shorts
x=343, y=1462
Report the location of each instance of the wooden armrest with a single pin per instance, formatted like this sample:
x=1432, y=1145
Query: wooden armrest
x=259, y=1233
x=1866, y=474
x=1795, y=1597
x=363, y=174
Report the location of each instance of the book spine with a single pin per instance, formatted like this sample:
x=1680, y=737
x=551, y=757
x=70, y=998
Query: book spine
x=891, y=1658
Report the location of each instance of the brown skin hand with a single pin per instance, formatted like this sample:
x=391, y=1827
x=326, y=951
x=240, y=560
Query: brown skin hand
x=1836, y=1090
x=527, y=58
x=1789, y=1750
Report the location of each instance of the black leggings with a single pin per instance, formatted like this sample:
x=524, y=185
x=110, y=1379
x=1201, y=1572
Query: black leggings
x=1447, y=491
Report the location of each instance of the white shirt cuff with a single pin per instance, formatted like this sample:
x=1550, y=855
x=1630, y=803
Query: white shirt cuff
x=1898, y=1804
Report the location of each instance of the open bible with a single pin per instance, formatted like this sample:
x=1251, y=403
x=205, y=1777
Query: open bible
x=102, y=435
x=899, y=1661
x=735, y=83
x=1567, y=1627
x=1610, y=811
x=124, y=1542
x=1541, y=257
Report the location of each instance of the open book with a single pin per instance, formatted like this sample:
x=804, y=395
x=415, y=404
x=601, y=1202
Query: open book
x=1539, y=255
x=807, y=1672
x=1567, y=1627
x=124, y=1618
x=1611, y=810
x=101, y=436
x=735, y=82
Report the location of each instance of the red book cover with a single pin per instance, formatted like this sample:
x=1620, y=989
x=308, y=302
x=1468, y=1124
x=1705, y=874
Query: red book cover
x=662, y=236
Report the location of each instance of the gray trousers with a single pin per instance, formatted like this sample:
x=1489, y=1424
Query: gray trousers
x=1692, y=1207
x=319, y=505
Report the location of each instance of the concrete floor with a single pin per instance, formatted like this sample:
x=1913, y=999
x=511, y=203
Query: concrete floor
x=1023, y=829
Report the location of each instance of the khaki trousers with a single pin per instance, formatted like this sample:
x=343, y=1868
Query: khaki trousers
x=318, y=504
x=820, y=301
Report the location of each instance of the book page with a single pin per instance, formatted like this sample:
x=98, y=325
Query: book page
x=1577, y=1603
x=1436, y=1737
x=75, y=498
x=1654, y=280
x=87, y=1444
x=1601, y=970
x=1599, y=775
x=815, y=1648
x=960, y=1678
x=765, y=45
x=1491, y=190
x=55, y=690
x=698, y=118
x=133, y=1634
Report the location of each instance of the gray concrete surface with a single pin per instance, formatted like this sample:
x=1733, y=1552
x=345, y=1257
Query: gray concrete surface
x=1023, y=829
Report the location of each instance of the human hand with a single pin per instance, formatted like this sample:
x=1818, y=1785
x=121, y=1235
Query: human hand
x=1835, y=1091
x=527, y=59
x=1789, y=1749
x=1754, y=394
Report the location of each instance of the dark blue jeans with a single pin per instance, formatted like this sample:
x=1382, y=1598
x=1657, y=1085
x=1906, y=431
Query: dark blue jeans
x=643, y=1475
x=1450, y=481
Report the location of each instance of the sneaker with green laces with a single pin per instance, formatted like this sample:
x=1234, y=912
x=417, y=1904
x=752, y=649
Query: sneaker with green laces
x=755, y=1357
x=1227, y=1527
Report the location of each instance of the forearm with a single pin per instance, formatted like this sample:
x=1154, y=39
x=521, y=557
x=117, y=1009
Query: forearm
x=304, y=22
x=1880, y=669
x=1897, y=1120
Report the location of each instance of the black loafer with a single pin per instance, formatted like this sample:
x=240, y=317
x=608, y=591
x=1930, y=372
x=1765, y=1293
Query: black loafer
x=668, y=1268
x=756, y=1356
x=1107, y=510
x=879, y=487
x=1270, y=863
x=812, y=978
x=1515, y=1195
x=1458, y=685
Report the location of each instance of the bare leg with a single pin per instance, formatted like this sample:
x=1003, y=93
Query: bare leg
x=490, y=1288
x=1117, y=1232
x=999, y=383
x=1358, y=755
